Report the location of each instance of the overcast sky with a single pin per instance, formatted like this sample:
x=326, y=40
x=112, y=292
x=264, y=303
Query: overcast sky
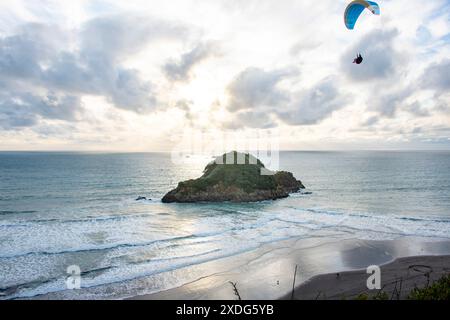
x=134, y=75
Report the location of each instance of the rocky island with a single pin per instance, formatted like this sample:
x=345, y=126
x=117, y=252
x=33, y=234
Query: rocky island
x=243, y=179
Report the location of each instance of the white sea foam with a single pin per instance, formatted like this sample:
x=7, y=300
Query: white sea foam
x=151, y=250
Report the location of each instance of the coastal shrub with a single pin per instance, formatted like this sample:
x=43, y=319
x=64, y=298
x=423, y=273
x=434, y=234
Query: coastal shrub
x=439, y=290
x=245, y=176
x=362, y=296
x=381, y=295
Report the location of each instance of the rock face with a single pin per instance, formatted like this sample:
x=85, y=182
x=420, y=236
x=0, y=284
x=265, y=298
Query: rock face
x=235, y=177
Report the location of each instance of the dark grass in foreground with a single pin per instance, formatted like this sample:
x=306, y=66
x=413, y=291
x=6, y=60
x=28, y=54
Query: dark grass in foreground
x=440, y=290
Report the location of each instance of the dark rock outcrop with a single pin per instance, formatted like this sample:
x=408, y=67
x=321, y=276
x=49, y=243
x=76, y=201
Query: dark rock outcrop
x=243, y=179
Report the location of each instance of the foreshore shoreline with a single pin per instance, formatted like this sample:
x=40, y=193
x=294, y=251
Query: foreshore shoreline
x=330, y=270
x=398, y=279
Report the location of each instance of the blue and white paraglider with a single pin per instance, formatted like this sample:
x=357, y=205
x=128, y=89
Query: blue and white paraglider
x=353, y=12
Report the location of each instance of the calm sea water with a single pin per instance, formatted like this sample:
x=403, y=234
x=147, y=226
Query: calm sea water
x=61, y=209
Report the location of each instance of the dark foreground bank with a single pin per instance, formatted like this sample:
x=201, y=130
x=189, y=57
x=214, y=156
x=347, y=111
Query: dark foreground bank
x=399, y=279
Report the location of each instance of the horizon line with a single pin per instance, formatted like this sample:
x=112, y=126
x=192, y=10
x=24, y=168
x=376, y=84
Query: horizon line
x=286, y=150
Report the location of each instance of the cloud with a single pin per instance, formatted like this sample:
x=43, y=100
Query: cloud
x=41, y=56
x=133, y=93
x=417, y=109
x=437, y=77
x=255, y=95
x=22, y=54
x=371, y=121
x=256, y=88
x=22, y=109
x=387, y=103
x=305, y=45
x=423, y=35
x=250, y=119
x=315, y=104
x=115, y=37
x=185, y=106
x=180, y=70
x=381, y=58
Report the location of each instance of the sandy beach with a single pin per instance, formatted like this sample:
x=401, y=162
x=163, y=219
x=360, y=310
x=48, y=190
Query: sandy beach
x=398, y=279
x=268, y=273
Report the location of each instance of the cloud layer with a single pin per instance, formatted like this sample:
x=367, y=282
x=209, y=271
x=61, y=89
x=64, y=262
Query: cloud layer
x=131, y=69
x=256, y=99
x=42, y=58
x=180, y=70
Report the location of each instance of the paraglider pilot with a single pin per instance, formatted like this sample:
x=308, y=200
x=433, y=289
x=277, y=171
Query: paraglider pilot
x=358, y=59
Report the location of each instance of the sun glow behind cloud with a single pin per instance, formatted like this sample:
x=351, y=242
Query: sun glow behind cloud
x=139, y=73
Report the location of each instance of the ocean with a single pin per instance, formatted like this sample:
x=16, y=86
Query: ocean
x=79, y=209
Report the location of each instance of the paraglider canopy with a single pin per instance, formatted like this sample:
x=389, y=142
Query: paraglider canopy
x=354, y=10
